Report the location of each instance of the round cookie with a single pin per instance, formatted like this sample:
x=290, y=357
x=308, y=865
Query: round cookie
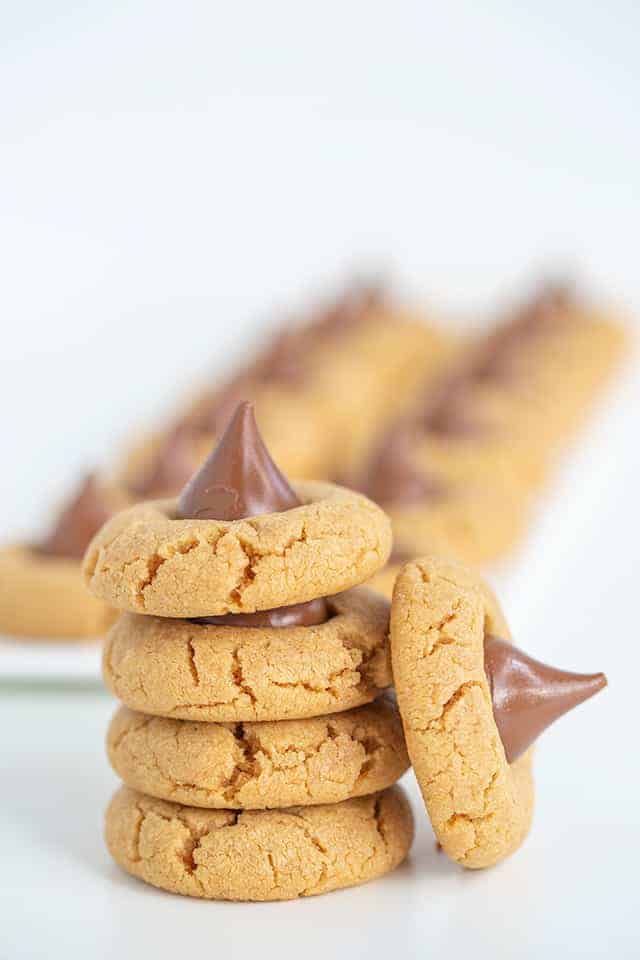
x=258, y=855
x=43, y=596
x=260, y=765
x=475, y=525
x=194, y=671
x=480, y=805
x=146, y=562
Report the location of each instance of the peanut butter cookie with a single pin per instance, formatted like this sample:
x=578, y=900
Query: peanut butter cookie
x=260, y=765
x=199, y=671
x=44, y=597
x=258, y=855
x=471, y=706
x=146, y=561
x=42, y=594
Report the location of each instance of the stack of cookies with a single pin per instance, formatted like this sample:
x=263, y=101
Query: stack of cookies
x=258, y=754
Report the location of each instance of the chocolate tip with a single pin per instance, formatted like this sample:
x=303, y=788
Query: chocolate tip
x=239, y=478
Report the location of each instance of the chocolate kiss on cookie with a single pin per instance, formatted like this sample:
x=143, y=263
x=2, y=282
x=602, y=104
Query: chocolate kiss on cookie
x=169, y=470
x=448, y=411
x=527, y=695
x=393, y=477
x=238, y=480
x=81, y=518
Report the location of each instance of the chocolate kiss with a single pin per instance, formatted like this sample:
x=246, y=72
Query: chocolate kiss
x=81, y=518
x=528, y=695
x=393, y=477
x=349, y=310
x=543, y=312
x=499, y=359
x=239, y=479
x=449, y=410
x=296, y=615
x=284, y=361
x=171, y=467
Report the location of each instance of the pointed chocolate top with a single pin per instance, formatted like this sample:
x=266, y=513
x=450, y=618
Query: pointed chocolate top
x=284, y=361
x=350, y=309
x=393, y=476
x=528, y=695
x=498, y=360
x=80, y=519
x=449, y=412
x=239, y=479
x=543, y=312
x=169, y=470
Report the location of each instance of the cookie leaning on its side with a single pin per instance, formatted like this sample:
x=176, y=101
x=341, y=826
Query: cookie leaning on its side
x=472, y=704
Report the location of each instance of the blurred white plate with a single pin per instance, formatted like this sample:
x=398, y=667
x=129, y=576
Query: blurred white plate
x=50, y=660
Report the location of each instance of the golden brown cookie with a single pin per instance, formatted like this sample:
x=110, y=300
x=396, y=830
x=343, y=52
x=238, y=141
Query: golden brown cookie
x=477, y=525
x=260, y=765
x=44, y=597
x=145, y=561
x=260, y=854
x=369, y=375
x=175, y=668
x=480, y=805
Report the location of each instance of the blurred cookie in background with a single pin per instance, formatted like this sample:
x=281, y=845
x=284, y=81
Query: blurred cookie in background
x=42, y=595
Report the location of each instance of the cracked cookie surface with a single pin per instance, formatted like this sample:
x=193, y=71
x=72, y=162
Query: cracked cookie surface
x=260, y=765
x=175, y=668
x=144, y=561
x=44, y=597
x=480, y=806
x=258, y=854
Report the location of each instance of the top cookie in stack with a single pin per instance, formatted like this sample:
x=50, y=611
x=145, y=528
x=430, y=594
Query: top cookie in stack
x=244, y=610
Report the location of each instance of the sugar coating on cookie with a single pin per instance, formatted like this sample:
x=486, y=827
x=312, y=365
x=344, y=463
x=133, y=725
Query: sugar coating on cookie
x=479, y=805
x=179, y=669
x=260, y=765
x=145, y=561
x=258, y=855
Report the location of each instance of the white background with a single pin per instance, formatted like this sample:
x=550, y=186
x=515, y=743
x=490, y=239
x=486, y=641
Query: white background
x=171, y=175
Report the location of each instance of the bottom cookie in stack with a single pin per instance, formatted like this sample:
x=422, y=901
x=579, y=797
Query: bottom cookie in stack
x=258, y=854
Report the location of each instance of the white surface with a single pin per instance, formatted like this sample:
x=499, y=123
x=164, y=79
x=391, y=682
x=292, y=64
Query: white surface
x=48, y=660
x=571, y=890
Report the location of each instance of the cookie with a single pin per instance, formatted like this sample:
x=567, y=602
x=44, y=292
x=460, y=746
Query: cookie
x=471, y=706
x=258, y=855
x=260, y=765
x=145, y=561
x=43, y=597
x=179, y=669
x=476, y=525
x=433, y=513
x=368, y=375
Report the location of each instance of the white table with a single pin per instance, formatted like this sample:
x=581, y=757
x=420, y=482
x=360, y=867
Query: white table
x=572, y=596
